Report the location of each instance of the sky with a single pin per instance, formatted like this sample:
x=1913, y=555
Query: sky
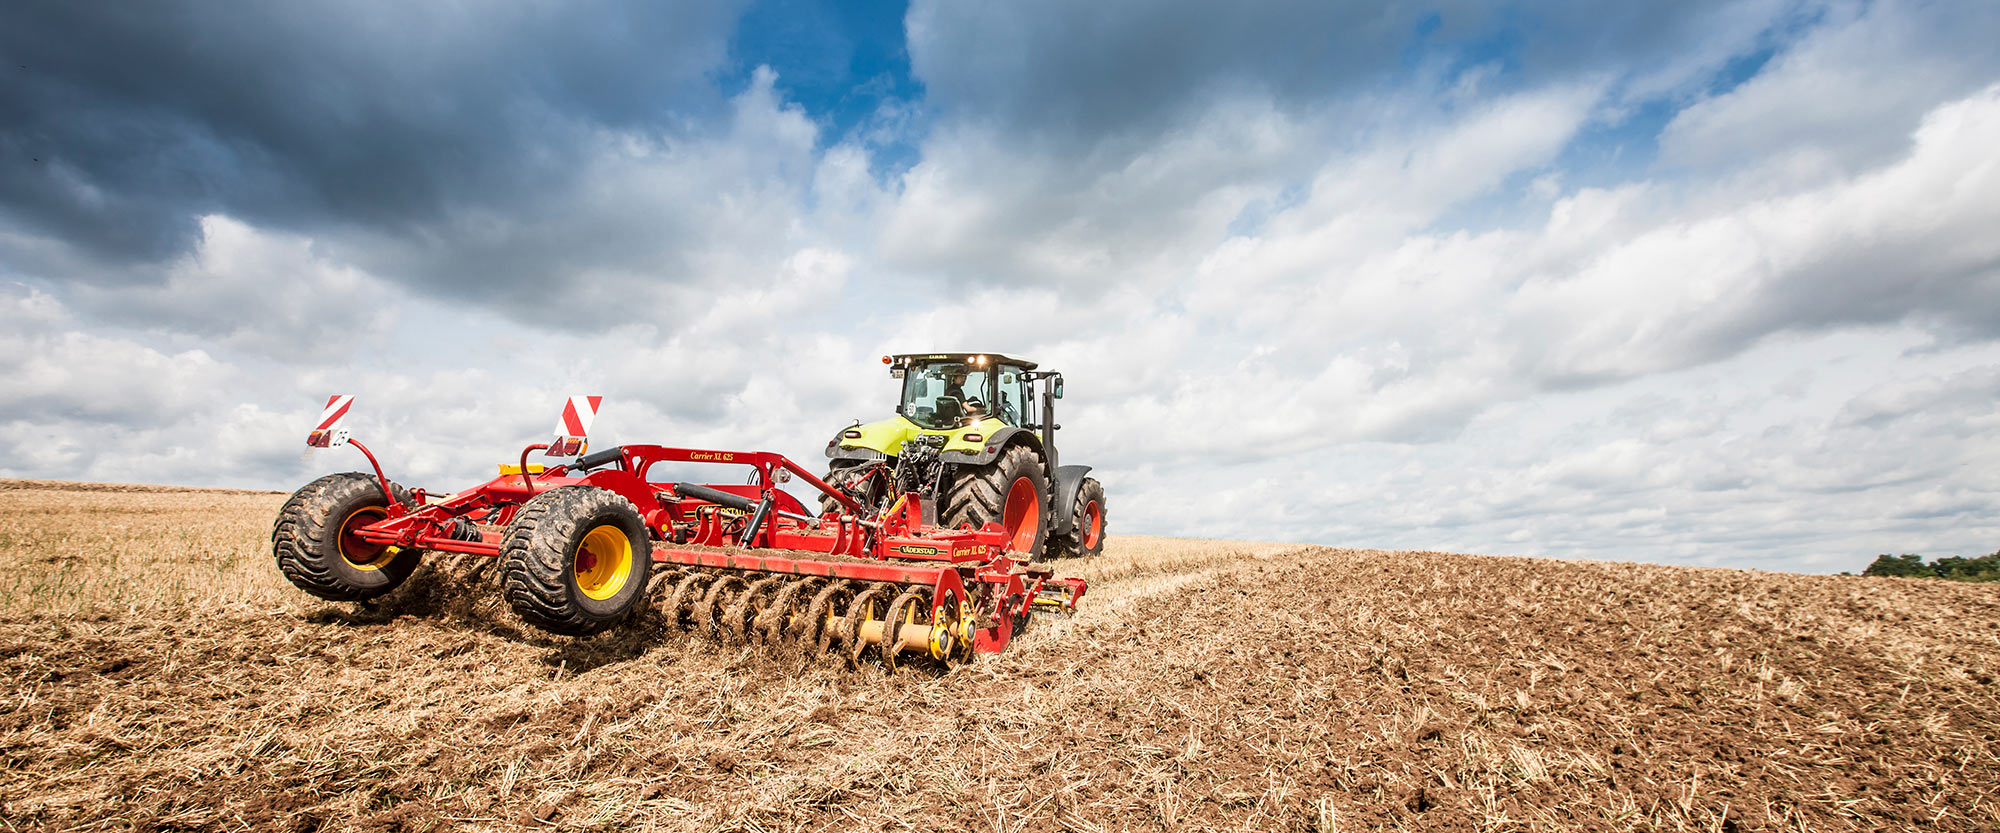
x=1689, y=283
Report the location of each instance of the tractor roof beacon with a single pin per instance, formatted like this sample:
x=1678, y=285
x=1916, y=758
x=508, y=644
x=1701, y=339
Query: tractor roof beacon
x=975, y=434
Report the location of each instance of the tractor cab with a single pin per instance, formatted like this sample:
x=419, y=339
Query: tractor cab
x=974, y=437
x=945, y=392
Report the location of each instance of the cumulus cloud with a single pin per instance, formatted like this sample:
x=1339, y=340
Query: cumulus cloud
x=103, y=380
x=1841, y=98
x=370, y=115
x=1358, y=274
x=1067, y=74
x=252, y=289
x=643, y=219
x=1892, y=243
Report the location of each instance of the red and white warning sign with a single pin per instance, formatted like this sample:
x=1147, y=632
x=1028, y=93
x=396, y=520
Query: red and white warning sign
x=328, y=433
x=573, y=430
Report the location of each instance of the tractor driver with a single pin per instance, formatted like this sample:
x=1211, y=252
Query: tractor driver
x=955, y=388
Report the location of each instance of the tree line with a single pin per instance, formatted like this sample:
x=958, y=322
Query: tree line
x=1955, y=568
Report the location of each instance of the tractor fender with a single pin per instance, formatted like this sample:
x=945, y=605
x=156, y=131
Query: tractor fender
x=833, y=449
x=1068, y=480
x=998, y=442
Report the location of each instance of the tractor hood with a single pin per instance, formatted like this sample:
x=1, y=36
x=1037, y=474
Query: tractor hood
x=886, y=437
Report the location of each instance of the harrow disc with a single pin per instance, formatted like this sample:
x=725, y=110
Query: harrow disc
x=681, y=602
x=903, y=611
x=748, y=606
x=784, y=608
x=708, y=611
x=818, y=629
x=860, y=611
x=863, y=622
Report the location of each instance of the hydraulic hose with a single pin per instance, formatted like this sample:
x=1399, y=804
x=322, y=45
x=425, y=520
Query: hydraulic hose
x=600, y=458
x=715, y=496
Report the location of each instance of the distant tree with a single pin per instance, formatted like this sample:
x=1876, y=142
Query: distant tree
x=1983, y=568
x=1908, y=565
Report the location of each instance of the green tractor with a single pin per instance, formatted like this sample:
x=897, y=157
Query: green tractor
x=975, y=434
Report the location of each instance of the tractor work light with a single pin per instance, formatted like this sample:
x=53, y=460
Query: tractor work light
x=851, y=434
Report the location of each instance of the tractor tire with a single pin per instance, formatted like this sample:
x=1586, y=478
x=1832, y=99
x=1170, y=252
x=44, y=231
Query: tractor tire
x=827, y=505
x=836, y=472
x=575, y=560
x=1012, y=491
x=1086, y=534
x=315, y=551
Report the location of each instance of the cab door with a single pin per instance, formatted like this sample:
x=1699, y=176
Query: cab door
x=1016, y=405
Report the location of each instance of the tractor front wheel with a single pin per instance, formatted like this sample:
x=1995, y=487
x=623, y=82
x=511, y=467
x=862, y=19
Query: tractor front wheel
x=1012, y=491
x=1086, y=532
x=575, y=560
x=317, y=549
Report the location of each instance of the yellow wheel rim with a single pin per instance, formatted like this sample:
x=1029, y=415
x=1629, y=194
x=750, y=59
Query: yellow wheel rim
x=603, y=562
x=360, y=554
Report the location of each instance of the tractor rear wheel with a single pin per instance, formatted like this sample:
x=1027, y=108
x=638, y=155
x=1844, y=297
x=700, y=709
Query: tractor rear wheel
x=1086, y=532
x=575, y=560
x=863, y=480
x=834, y=470
x=1012, y=491
x=315, y=544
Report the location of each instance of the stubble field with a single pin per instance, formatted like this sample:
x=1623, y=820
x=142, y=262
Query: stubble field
x=156, y=673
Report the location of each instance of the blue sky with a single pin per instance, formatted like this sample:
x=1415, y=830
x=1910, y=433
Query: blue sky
x=840, y=62
x=1707, y=282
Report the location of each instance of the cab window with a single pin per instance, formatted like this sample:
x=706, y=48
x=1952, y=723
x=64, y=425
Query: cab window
x=1014, y=399
x=942, y=395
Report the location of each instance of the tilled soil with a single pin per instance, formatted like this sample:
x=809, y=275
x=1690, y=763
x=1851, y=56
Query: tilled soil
x=1300, y=689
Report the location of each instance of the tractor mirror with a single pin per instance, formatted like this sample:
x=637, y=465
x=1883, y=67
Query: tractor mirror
x=1058, y=391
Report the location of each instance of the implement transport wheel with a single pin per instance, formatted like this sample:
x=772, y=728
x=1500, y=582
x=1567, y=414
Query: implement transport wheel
x=1086, y=534
x=316, y=547
x=1013, y=491
x=576, y=560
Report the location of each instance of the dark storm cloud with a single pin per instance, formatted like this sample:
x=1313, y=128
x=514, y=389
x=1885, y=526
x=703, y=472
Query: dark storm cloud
x=1084, y=71
x=122, y=123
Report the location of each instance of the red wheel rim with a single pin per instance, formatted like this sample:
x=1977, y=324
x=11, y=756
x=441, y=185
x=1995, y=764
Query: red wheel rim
x=354, y=549
x=1093, y=524
x=1021, y=516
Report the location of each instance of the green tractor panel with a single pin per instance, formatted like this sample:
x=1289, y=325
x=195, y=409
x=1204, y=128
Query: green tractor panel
x=975, y=433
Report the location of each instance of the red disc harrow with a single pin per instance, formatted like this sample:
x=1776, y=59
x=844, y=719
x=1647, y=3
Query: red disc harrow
x=583, y=544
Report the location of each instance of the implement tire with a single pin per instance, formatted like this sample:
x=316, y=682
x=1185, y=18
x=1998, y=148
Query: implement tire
x=575, y=560
x=1012, y=491
x=317, y=554
x=1086, y=534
